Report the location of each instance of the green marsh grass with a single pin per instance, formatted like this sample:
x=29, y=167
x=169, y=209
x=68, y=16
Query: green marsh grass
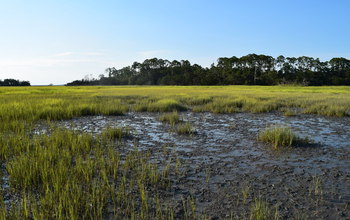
x=185, y=129
x=281, y=137
x=57, y=103
x=163, y=105
x=170, y=118
x=316, y=187
x=245, y=193
x=67, y=174
x=73, y=175
x=289, y=113
x=115, y=133
x=260, y=210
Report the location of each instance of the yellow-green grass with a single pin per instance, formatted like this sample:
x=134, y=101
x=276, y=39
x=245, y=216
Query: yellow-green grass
x=73, y=175
x=281, y=137
x=261, y=211
x=66, y=174
x=56, y=103
x=185, y=129
x=170, y=118
x=115, y=133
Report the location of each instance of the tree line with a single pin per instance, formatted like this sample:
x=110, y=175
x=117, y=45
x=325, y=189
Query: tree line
x=14, y=82
x=251, y=69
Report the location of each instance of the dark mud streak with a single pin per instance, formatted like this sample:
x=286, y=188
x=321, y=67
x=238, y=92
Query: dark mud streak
x=224, y=152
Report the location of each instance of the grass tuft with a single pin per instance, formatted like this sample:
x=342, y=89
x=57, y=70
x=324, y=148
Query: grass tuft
x=111, y=133
x=281, y=137
x=185, y=129
x=166, y=105
x=170, y=118
x=261, y=211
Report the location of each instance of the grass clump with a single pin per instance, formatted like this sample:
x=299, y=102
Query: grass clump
x=162, y=105
x=170, y=118
x=221, y=105
x=198, y=100
x=74, y=175
x=261, y=211
x=115, y=133
x=289, y=113
x=185, y=129
x=280, y=137
x=166, y=105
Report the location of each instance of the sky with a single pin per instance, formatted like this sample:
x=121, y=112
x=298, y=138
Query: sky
x=55, y=42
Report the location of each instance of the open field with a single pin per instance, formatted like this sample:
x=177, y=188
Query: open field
x=175, y=152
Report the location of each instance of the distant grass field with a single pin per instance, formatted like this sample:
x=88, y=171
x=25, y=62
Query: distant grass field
x=66, y=174
x=54, y=103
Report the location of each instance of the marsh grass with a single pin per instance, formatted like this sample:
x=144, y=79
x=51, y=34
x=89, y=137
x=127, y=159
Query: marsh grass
x=170, y=118
x=281, y=137
x=198, y=100
x=115, y=133
x=163, y=105
x=189, y=207
x=69, y=174
x=260, y=210
x=185, y=129
x=232, y=126
x=245, y=193
x=221, y=105
x=316, y=187
x=289, y=112
x=207, y=175
x=58, y=103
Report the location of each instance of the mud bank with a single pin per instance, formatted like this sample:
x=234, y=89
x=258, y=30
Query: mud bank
x=226, y=169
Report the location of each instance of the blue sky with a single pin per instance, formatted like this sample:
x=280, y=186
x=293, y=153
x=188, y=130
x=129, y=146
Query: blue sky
x=59, y=41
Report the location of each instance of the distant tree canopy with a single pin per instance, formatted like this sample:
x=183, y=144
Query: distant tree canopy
x=251, y=69
x=14, y=82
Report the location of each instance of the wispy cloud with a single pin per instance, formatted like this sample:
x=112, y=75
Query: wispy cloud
x=151, y=53
x=45, y=62
x=69, y=53
x=64, y=58
x=64, y=54
x=93, y=54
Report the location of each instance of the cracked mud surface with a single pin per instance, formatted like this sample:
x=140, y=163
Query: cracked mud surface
x=223, y=159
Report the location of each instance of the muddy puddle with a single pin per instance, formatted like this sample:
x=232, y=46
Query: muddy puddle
x=225, y=163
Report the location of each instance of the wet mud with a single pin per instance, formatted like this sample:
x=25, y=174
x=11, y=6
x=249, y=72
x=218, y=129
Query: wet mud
x=225, y=168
